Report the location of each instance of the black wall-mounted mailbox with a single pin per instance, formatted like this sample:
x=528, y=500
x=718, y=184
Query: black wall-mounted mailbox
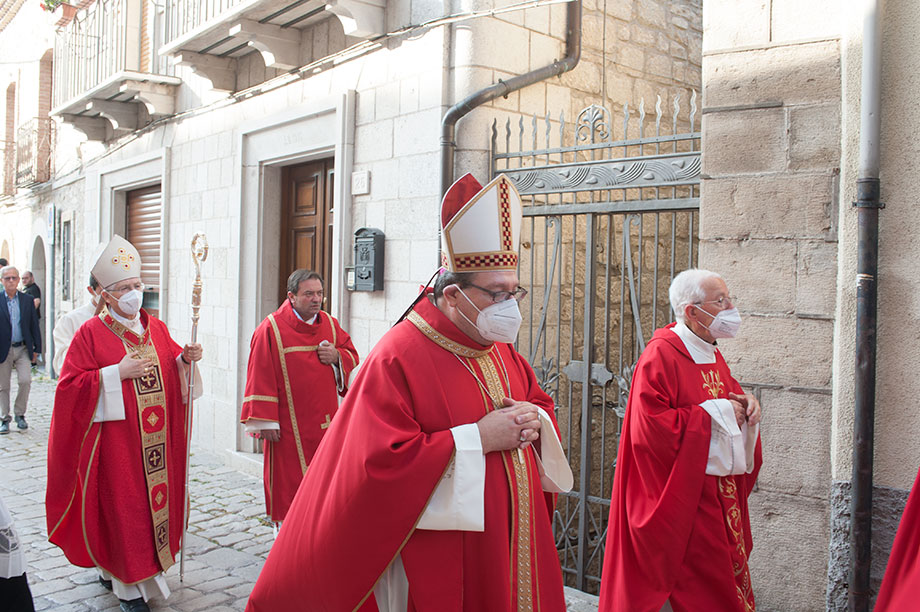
x=368, y=259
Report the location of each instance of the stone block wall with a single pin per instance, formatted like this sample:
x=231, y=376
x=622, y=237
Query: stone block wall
x=771, y=167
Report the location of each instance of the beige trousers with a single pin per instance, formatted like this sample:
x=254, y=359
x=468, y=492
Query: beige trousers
x=19, y=358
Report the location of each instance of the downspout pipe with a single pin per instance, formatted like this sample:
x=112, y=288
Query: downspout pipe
x=868, y=189
x=503, y=88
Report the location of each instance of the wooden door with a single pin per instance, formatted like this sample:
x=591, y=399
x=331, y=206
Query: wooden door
x=306, y=222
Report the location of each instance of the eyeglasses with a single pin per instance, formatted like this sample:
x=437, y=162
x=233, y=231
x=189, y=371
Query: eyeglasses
x=311, y=294
x=127, y=287
x=501, y=296
x=9, y=278
x=722, y=301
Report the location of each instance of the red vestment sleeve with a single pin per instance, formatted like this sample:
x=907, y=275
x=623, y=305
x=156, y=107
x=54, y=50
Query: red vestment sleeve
x=71, y=426
x=369, y=483
x=264, y=387
x=901, y=586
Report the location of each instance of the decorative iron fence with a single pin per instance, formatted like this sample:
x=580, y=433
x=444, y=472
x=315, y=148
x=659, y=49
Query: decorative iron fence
x=607, y=225
x=34, y=143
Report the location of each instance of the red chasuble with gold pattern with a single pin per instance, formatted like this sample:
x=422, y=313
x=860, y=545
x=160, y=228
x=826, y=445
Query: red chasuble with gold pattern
x=116, y=488
x=675, y=533
x=379, y=464
x=287, y=384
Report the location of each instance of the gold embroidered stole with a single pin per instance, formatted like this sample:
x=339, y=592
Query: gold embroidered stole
x=282, y=351
x=728, y=496
x=151, y=408
x=493, y=390
x=731, y=511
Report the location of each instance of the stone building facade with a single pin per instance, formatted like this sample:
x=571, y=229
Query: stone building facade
x=781, y=90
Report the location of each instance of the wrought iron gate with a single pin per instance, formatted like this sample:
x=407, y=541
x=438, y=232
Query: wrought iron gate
x=607, y=225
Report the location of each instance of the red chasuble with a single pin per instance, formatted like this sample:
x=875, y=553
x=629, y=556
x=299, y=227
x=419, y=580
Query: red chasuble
x=116, y=488
x=676, y=533
x=287, y=384
x=901, y=586
x=379, y=464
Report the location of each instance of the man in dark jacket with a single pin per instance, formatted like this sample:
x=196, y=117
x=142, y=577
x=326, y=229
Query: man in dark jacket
x=20, y=344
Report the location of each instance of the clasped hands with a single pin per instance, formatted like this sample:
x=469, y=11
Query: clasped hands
x=515, y=425
x=327, y=353
x=747, y=408
x=132, y=365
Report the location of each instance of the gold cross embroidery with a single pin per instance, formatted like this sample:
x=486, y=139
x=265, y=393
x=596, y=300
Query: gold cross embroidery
x=326, y=424
x=123, y=258
x=713, y=383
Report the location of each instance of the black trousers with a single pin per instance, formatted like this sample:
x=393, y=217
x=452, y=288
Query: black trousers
x=15, y=594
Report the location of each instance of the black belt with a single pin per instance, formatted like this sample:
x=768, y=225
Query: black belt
x=19, y=344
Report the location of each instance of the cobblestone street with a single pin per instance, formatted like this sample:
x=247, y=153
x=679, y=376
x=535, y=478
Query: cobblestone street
x=229, y=536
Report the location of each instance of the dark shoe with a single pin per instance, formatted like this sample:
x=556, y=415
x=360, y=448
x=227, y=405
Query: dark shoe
x=106, y=583
x=133, y=605
x=21, y=423
x=5, y=427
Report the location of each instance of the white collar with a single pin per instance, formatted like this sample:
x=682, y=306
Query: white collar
x=132, y=324
x=310, y=322
x=700, y=350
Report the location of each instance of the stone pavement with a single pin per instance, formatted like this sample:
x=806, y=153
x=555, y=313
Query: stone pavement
x=229, y=535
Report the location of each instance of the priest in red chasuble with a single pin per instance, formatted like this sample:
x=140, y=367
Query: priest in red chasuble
x=299, y=363
x=117, y=452
x=432, y=490
x=679, y=535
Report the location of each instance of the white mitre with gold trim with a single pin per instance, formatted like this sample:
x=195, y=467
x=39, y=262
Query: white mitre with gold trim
x=119, y=261
x=481, y=225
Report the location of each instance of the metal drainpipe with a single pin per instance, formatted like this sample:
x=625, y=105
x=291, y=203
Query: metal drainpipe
x=867, y=206
x=503, y=88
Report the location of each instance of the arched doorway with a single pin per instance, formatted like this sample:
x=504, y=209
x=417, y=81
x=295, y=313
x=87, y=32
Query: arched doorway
x=37, y=267
x=5, y=251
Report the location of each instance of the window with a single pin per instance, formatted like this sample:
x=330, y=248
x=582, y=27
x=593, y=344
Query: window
x=67, y=261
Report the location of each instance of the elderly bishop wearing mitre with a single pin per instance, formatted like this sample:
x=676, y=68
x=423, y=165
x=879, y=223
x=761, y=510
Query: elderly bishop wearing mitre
x=117, y=448
x=433, y=489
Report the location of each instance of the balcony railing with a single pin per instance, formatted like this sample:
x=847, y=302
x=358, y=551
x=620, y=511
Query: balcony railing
x=107, y=38
x=184, y=16
x=34, y=142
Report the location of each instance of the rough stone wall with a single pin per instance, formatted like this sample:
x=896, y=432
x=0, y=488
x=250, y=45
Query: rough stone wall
x=887, y=506
x=771, y=158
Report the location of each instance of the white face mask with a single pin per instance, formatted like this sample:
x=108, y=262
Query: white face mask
x=725, y=324
x=499, y=322
x=130, y=302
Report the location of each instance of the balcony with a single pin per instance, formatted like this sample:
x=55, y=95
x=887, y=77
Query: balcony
x=209, y=35
x=34, y=142
x=107, y=79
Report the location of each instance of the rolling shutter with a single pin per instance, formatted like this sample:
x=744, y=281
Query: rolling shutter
x=145, y=210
